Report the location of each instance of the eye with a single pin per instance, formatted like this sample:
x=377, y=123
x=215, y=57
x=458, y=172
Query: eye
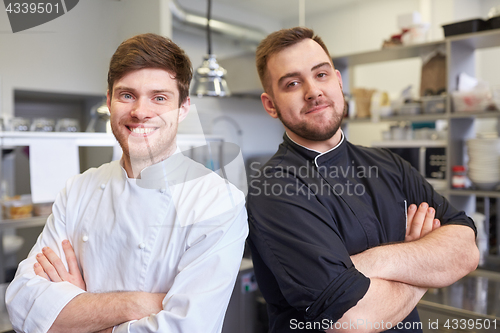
x=160, y=98
x=292, y=84
x=126, y=96
x=321, y=74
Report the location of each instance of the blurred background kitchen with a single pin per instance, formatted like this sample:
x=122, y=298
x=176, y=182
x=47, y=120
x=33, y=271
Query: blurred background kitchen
x=421, y=77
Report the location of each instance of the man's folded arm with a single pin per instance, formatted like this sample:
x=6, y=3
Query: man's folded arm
x=385, y=304
x=89, y=312
x=437, y=260
x=33, y=302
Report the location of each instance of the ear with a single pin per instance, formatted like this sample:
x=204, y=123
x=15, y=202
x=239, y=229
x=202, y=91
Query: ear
x=108, y=100
x=268, y=104
x=339, y=77
x=184, y=109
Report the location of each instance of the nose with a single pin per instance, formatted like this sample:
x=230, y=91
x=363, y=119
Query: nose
x=140, y=110
x=312, y=91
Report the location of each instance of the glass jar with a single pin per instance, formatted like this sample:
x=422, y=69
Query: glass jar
x=459, y=178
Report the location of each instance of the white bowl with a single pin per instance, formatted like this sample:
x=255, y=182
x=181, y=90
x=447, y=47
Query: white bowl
x=486, y=186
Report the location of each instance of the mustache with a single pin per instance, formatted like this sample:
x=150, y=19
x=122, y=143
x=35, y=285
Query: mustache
x=317, y=102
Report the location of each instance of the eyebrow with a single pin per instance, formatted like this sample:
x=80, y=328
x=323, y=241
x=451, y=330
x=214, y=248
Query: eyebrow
x=160, y=91
x=286, y=76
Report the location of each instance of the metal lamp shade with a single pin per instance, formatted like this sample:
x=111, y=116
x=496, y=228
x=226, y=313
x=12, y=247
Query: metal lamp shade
x=209, y=79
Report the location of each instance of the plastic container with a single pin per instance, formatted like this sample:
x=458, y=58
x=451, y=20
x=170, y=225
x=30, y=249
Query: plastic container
x=471, y=101
x=18, y=207
x=42, y=209
x=19, y=124
x=68, y=125
x=410, y=108
x=434, y=104
x=465, y=27
x=43, y=125
x=494, y=22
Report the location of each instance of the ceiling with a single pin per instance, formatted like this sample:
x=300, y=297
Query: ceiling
x=284, y=9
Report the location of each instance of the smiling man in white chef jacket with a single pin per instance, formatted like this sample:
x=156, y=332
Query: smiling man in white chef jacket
x=150, y=243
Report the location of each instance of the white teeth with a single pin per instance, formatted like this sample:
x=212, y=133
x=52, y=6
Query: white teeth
x=142, y=130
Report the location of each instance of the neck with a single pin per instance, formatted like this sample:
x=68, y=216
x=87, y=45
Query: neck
x=134, y=166
x=320, y=146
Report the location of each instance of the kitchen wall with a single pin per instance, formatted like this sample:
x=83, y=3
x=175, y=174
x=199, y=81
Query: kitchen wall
x=71, y=53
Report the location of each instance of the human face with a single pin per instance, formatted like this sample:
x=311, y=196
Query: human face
x=145, y=114
x=306, y=92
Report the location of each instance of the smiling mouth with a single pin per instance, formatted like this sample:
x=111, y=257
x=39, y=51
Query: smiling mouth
x=317, y=108
x=141, y=130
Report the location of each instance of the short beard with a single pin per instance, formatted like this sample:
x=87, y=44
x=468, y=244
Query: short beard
x=311, y=133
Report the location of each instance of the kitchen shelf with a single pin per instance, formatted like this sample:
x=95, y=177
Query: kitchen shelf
x=478, y=40
x=387, y=54
x=479, y=193
x=427, y=117
x=478, y=114
x=9, y=139
x=414, y=118
x=410, y=143
x=36, y=221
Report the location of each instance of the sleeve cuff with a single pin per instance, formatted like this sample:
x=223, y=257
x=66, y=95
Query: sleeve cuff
x=58, y=295
x=342, y=294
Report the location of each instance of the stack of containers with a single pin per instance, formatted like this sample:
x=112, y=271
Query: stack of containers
x=484, y=162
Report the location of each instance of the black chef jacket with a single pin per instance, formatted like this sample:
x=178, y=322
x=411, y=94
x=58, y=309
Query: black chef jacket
x=308, y=212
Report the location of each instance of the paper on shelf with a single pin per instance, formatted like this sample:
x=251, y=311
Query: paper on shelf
x=52, y=163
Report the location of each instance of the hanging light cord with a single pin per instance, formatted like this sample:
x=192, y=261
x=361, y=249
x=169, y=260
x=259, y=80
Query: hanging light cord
x=209, y=37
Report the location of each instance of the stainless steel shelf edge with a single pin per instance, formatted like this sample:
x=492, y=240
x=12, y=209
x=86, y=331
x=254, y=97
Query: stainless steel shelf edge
x=428, y=117
x=23, y=223
x=89, y=139
x=410, y=143
x=387, y=54
x=467, y=192
x=478, y=40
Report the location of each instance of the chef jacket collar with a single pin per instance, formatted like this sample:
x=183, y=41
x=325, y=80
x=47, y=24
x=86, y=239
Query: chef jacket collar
x=157, y=176
x=318, y=157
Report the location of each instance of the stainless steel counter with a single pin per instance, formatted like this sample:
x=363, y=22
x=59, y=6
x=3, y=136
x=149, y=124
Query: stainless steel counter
x=478, y=292
x=468, y=305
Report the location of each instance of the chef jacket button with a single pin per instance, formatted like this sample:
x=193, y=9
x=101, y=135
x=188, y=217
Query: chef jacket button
x=103, y=186
x=142, y=245
x=85, y=238
x=162, y=190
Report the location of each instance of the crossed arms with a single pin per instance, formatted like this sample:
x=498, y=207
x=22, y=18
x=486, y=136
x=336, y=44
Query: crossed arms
x=90, y=312
x=400, y=274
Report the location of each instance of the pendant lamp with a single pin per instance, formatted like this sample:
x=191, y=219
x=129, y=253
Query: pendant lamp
x=209, y=78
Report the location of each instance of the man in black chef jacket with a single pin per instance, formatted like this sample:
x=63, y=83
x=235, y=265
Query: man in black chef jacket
x=328, y=219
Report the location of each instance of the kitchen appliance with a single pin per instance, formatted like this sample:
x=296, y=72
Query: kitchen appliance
x=241, y=313
x=99, y=118
x=429, y=161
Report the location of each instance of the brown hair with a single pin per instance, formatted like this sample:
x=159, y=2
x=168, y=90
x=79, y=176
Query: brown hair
x=276, y=42
x=151, y=51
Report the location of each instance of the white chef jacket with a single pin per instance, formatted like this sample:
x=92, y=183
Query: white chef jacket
x=179, y=229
